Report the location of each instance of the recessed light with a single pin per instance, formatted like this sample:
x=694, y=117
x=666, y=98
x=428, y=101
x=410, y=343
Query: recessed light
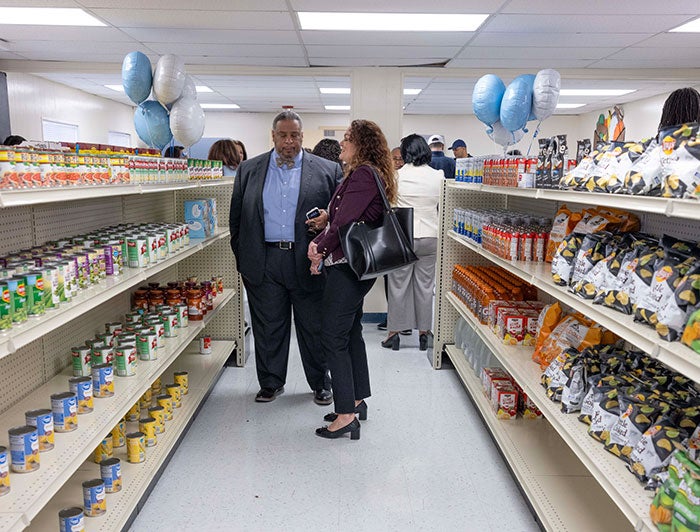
x=595, y=92
x=315, y=20
x=47, y=16
x=334, y=90
x=411, y=92
x=203, y=88
x=570, y=105
x=118, y=88
x=337, y=107
x=220, y=106
x=689, y=27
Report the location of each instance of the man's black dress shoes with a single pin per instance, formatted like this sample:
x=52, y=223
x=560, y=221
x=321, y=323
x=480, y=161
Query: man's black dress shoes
x=265, y=395
x=323, y=397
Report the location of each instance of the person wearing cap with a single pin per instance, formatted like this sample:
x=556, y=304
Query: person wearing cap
x=459, y=149
x=439, y=161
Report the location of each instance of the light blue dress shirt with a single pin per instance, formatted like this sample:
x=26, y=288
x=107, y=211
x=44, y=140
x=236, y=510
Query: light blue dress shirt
x=280, y=198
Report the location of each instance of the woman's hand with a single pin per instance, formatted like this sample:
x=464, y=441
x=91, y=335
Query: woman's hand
x=315, y=257
x=316, y=225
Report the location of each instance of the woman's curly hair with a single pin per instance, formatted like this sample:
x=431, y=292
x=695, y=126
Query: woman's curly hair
x=372, y=149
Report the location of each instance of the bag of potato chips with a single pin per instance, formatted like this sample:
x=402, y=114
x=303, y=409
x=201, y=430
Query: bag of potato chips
x=653, y=451
x=563, y=261
x=635, y=418
x=644, y=177
x=572, y=331
x=661, y=509
x=691, y=333
x=668, y=275
x=686, y=510
x=564, y=221
x=592, y=250
x=680, y=162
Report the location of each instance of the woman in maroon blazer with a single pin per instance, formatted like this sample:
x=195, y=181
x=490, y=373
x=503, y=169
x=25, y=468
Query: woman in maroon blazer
x=357, y=198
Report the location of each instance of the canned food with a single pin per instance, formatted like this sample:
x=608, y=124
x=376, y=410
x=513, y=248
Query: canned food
x=146, y=344
x=126, y=360
x=114, y=327
x=182, y=378
x=205, y=345
x=126, y=338
x=35, y=293
x=94, y=500
x=107, y=338
x=147, y=425
x=119, y=434
x=111, y=473
x=82, y=388
x=5, y=307
x=103, y=380
x=42, y=419
x=152, y=243
x=182, y=316
x=170, y=324
x=65, y=411
x=18, y=298
x=146, y=399
x=133, y=317
x=158, y=413
x=24, y=449
x=108, y=252
x=104, y=450
x=135, y=447
x=174, y=391
x=156, y=386
x=4, y=472
x=134, y=412
x=71, y=520
x=81, y=358
x=159, y=328
x=167, y=403
x=102, y=355
x=137, y=252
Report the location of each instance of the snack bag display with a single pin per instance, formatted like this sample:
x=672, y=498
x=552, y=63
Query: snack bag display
x=574, y=389
x=661, y=509
x=635, y=419
x=653, y=451
x=563, y=260
x=591, y=252
x=680, y=161
x=563, y=223
x=606, y=410
x=686, y=511
x=668, y=275
x=572, y=331
x=644, y=177
x=691, y=333
x=583, y=149
x=643, y=276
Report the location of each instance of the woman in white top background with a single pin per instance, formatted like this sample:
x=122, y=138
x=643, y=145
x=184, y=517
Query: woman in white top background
x=411, y=288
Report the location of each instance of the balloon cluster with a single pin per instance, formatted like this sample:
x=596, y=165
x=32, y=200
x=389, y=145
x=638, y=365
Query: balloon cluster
x=174, y=112
x=506, y=110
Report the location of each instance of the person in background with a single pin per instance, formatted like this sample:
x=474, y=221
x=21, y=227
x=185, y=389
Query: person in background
x=13, y=140
x=439, y=161
x=242, y=154
x=174, y=152
x=224, y=150
x=459, y=149
x=328, y=149
x=275, y=197
x=364, y=150
x=398, y=163
x=396, y=158
x=681, y=107
x=514, y=153
x=411, y=287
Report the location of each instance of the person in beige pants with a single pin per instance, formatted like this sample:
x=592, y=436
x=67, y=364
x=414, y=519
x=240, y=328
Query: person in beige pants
x=411, y=288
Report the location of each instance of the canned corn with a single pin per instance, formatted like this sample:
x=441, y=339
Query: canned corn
x=42, y=419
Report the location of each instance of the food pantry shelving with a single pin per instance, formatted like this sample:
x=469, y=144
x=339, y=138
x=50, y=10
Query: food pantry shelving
x=612, y=478
x=34, y=356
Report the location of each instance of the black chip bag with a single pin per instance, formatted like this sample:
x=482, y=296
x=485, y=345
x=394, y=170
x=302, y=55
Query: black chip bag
x=591, y=252
x=635, y=418
x=653, y=451
x=680, y=161
x=644, y=177
x=574, y=389
x=589, y=399
x=672, y=317
x=563, y=261
x=644, y=275
x=606, y=410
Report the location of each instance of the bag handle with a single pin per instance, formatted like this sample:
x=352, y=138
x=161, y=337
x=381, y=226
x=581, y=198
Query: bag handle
x=380, y=186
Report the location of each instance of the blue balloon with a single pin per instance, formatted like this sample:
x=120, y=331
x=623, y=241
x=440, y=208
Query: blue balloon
x=152, y=124
x=486, y=98
x=137, y=76
x=517, y=103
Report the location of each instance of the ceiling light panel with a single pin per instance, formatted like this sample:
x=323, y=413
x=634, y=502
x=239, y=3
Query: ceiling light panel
x=337, y=107
x=689, y=27
x=220, y=106
x=334, y=90
x=570, y=105
x=390, y=21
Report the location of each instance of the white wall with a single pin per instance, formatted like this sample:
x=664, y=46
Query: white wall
x=32, y=98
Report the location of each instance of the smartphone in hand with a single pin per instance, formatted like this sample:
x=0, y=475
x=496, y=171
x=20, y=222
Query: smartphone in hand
x=313, y=213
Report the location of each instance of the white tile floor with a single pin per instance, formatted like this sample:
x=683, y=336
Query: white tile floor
x=424, y=461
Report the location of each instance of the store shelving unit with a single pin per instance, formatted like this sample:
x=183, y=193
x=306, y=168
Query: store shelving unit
x=203, y=371
x=35, y=356
x=36, y=196
x=678, y=217
x=36, y=327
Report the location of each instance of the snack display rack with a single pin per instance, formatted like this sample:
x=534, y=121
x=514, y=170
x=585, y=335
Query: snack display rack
x=34, y=357
x=618, y=485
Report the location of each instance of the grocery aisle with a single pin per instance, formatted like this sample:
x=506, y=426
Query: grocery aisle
x=424, y=461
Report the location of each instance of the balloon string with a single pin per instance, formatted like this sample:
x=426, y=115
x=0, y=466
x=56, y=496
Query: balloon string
x=534, y=136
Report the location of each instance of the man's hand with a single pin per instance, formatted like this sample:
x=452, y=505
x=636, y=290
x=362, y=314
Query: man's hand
x=315, y=257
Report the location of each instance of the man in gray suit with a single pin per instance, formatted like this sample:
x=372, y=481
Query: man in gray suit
x=270, y=234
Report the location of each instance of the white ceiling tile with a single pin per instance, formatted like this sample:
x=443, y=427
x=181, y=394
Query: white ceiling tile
x=667, y=62
x=192, y=19
x=518, y=63
x=417, y=52
x=58, y=55
x=620, y=7
x=592, y=23
x=549, y=39
x=379, y=38
x=22, y=32
x=204, y=5
x=165, y=35
x=680, y=41
x=9, y=55
x=507, y=52
x=245, y=61
x=691, y=56
x=76, y=47
x=40, y=3
x=231, y=51
x=378, y=61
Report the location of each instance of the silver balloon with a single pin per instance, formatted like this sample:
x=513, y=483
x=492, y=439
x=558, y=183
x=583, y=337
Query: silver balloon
x=187, y=121
x=499, y=134
x=190, y=89
x=169, y=79
x=545, y=93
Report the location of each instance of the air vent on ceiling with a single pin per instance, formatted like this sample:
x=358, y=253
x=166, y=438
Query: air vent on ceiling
x=329, y=132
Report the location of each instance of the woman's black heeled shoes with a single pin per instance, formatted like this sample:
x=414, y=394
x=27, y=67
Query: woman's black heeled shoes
x=425, y=341
x=353, y=428
x=360, y=410
x=392, y=342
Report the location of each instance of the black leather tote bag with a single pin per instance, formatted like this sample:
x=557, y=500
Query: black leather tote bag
x=375, y=249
